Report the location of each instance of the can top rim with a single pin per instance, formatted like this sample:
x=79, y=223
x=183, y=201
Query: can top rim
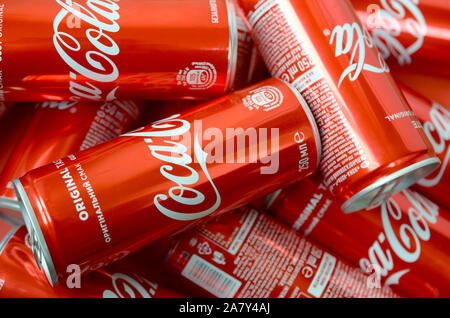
x=232, y=45
x=10, y=211
x=378, y=192
x=5, y=240
x=9, y=204
x=39, y=246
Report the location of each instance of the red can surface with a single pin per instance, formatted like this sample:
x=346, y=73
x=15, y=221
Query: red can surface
x=146, y=184
x=373, y=143
x=57, y=129
x=405, y=242
x=157, y=109
x=412, y=34
x=434, y=88
x=132, y=277
x=248, y=254
x=12, y=127
x=102, y=50
x=4, y=107
x=436, y=122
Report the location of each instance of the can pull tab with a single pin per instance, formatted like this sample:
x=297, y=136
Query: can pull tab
x=35, y=247
x=384, y=193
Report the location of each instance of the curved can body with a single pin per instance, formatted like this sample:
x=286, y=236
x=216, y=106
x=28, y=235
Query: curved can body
x=405, y=242
x=248, y=254
x=435, y=119
x=146, y=184
x=373, y=143
x=411, y=34
x=57, y=129
x=103, y=50
x=133, y=277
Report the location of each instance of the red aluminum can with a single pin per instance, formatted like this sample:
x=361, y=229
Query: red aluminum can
x=133, y=277
x=412, y=34
x=374, y=145
x=146, y=184
x=57, y=129
x=405, y=242
x=108, y=49
x=248, y=254
x=435, y=119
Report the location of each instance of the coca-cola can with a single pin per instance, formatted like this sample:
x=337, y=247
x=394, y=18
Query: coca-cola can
x=157, y=180
x=404, y=243
x=133, y=277
x=410, y=34
x=374, y=145
x=103, y=50
x=248, y=254
x=57, y=129
x=435, y=119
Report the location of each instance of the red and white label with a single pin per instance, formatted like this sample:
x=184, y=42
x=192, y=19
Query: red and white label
x=287, y=56
x=253, y=255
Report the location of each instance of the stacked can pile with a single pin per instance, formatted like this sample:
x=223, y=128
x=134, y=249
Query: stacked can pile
x=251, y=148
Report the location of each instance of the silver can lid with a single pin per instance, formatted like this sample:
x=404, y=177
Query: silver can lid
x=10, y=209
x=380, y=191
x=38, y=244
x=9, y=204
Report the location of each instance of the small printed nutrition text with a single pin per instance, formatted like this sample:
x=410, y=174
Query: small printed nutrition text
x=76, y=196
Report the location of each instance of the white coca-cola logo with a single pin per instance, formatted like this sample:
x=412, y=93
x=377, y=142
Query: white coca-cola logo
x=355, y=39
x=128, y=287
x=97, y=65
x=406, y=244
x=439, y=124
x=389, y=22
x=175, y=155
x=58, y=105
